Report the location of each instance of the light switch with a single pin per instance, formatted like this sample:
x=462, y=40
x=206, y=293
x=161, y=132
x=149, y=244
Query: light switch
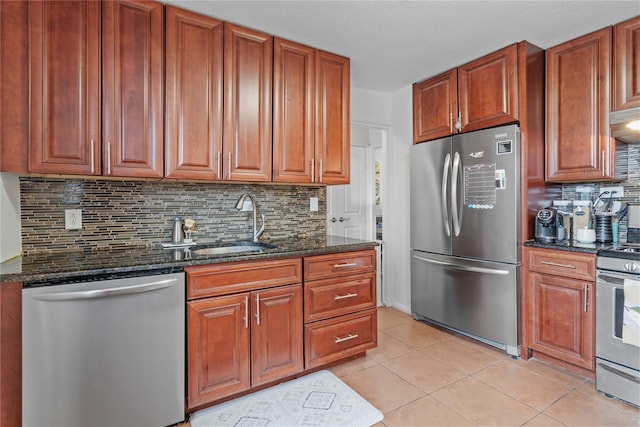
x=313, y=204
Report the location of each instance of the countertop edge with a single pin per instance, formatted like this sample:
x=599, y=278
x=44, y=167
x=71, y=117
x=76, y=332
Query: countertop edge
x=176, y=265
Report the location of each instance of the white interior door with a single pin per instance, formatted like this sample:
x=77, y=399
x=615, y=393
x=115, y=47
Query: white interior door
x=349, y=206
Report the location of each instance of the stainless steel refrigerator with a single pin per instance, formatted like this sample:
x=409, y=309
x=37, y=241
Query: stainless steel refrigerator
x=465, y=228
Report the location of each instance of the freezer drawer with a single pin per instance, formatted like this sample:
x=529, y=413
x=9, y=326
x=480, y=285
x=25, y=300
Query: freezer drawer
x=477, y=298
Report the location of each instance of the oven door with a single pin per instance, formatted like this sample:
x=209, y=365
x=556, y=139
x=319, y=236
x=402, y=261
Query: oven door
x=609, y=312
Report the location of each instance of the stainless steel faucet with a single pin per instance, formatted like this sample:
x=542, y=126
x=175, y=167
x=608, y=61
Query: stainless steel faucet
x=240, y=206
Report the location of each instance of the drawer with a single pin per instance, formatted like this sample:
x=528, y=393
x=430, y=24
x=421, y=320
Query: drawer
x=337, y=296
x=562, y=263
x=329, y=340
x=228, y=278
x=339, y=264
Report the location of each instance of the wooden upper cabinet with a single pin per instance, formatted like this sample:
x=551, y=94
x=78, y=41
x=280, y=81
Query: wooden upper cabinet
x=14, y=87
x=435, y=107
x=193, y=85
x=293, y=111
x=332, y=149
x=477, y=95
x=488, y=90
x=248, y=66
x=65, y=87
x=578, y=142
x=133, y=80
x=626, y=64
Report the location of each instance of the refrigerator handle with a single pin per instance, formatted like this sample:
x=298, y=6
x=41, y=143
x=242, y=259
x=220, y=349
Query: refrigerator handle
x=464, y=267
x=454, y=194
x=443, y=192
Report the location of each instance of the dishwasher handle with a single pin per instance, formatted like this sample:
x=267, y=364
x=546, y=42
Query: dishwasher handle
x=104, y=293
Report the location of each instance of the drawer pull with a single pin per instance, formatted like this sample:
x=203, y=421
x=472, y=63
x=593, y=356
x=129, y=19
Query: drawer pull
x=347, y=338
x=555, y=264
x=346, y=264
x=337, y=297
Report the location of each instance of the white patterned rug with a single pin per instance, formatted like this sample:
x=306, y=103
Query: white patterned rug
x=319, y=399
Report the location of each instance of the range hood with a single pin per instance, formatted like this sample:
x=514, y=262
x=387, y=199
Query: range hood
x=620, y=121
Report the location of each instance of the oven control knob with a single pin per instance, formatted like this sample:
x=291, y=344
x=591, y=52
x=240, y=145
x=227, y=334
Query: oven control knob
x=631, y=266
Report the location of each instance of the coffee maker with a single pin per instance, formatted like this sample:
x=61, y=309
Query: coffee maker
x=546, y=225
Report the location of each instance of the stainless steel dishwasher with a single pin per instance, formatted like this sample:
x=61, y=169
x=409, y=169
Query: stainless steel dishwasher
x=104, y=353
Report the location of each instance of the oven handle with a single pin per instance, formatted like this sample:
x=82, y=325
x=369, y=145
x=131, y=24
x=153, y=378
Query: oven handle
x=620, y=373
x=614, y=278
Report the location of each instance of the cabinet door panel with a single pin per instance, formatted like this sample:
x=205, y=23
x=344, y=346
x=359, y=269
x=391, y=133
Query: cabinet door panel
x=193, y=145
x=293, y=111
x=577, y=135
x=65, y=87
x=332, y=119
x=218, y=348
x=561, y=313
x=435, y=107
x=247, y=103
x=626, y=64
x=488, y=90
x=132, y=48
x=276, y=337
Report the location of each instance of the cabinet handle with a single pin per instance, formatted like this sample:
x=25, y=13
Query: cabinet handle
x=603, y=163
x=258, y=309
x=347, y=338
x=451, y=123
x=338, y=297
x=92, y=162
x=108, y=158
x=586, y=292
x=229, y=165
x=313, y=170
x=555, y=264
x=246, y=312
x=320, y=170
x=346, y=264
x=219, y=165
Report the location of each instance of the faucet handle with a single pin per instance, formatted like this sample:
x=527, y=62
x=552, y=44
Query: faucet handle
x=259, y=232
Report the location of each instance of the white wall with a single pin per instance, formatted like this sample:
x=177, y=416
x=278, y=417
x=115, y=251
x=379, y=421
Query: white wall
x=393, y=112
x=396, y=223
x=10, y=240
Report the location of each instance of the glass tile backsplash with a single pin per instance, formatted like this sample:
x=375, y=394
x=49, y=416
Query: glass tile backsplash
x=140, y=213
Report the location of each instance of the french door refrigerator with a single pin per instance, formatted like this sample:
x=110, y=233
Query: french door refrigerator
x=465, y=228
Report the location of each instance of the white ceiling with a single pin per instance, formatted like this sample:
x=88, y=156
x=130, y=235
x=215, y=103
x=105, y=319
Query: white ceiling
x=393, y=44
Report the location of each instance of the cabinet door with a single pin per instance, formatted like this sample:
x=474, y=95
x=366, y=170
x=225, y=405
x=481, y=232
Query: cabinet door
x=488, y=90
x=14, y=86
x=435, y=107
x=65, y=87
x=560, y=318
x=579, y=147
x=247, y=104
x=193, y=122
x=293, y=111
x=626, y=64
x=218, y=340
x=276, y=337
x=332, y=119
x=132, y=87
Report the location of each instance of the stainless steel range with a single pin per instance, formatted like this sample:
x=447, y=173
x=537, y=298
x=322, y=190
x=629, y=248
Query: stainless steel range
x=617, y=361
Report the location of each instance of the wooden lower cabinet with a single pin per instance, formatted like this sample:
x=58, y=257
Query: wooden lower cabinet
x=240, y=341
x=559, y=307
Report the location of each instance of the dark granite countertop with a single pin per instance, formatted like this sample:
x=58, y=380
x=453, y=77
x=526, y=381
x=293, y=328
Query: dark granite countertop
x=589, y=248
x=70, y=266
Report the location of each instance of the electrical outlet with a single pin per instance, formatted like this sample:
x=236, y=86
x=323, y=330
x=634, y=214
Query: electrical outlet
x=313, y=204
x=616, y=192
x=72, y=219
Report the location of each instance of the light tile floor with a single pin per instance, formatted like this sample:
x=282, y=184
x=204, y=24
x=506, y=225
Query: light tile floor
x=422, y=376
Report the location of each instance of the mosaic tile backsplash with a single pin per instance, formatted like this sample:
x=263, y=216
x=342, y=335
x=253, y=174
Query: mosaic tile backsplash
x=140, y=213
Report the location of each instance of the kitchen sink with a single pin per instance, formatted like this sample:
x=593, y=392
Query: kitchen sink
x=231, y=248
